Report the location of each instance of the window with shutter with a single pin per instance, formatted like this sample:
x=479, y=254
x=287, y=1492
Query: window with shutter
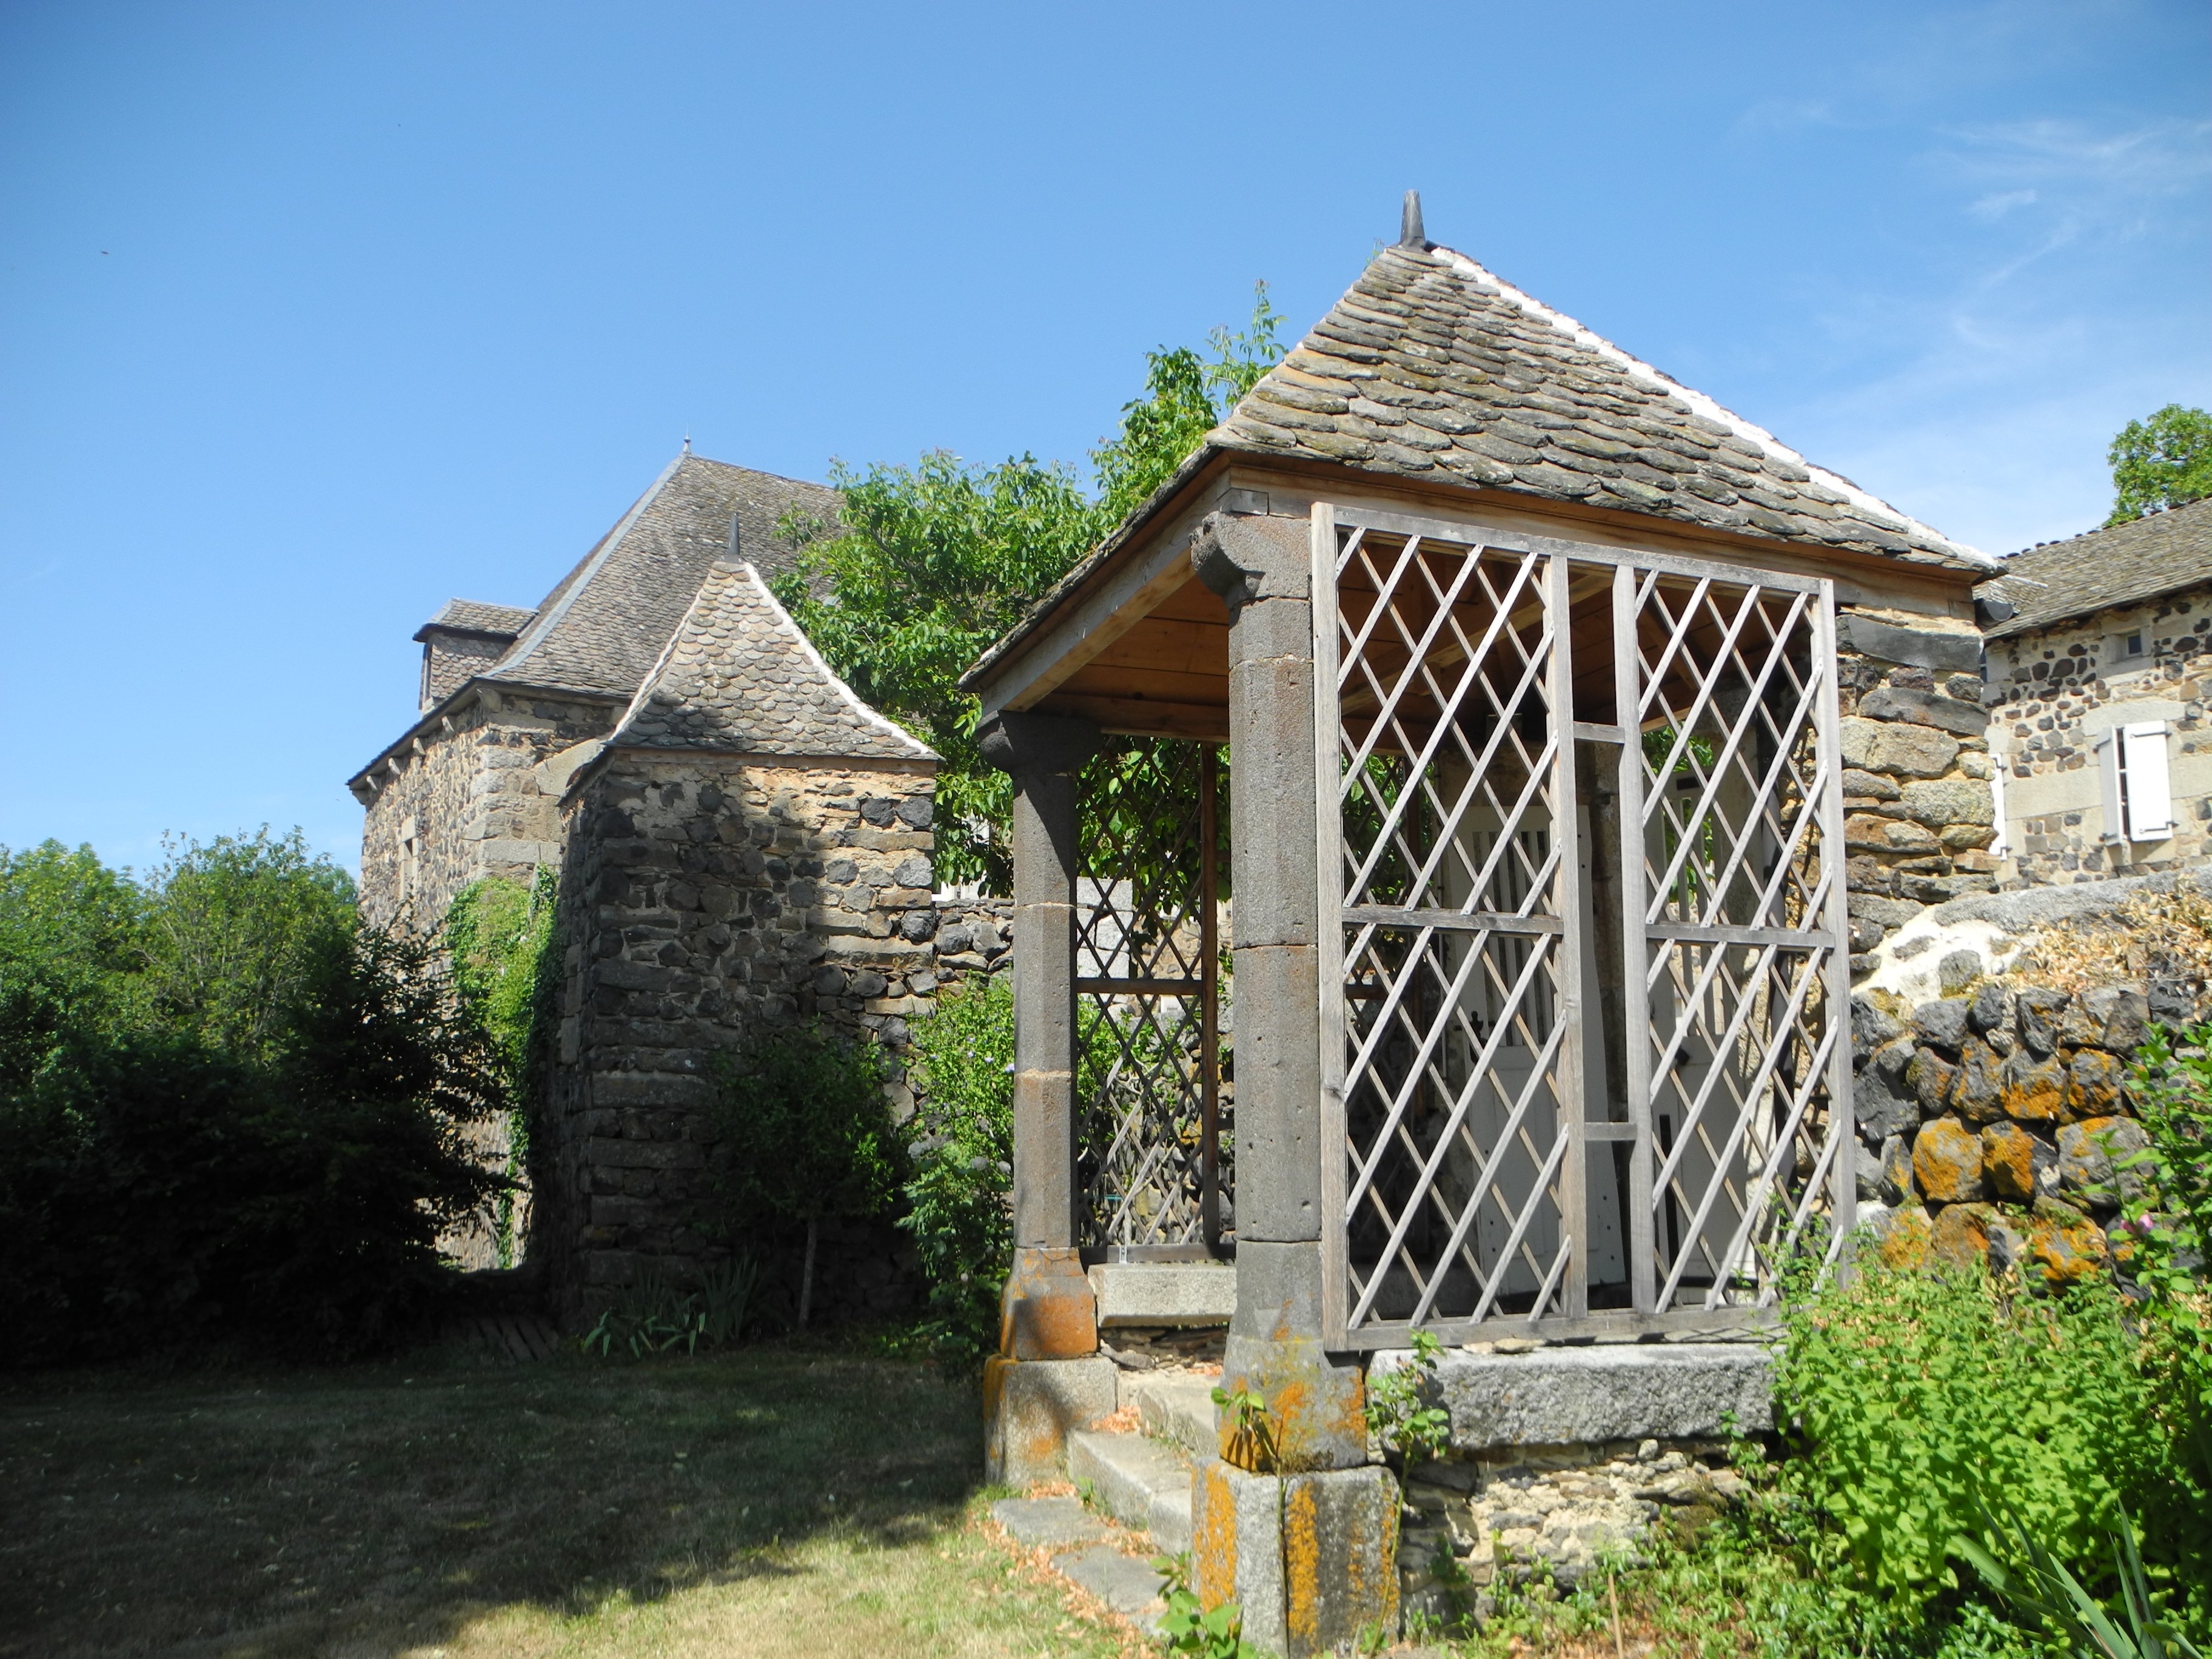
x=2137, y=798
x=2148, y=799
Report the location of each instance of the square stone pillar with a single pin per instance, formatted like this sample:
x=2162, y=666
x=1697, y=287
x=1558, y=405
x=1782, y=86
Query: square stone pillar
x=1261, y=566
x=1047, y=1375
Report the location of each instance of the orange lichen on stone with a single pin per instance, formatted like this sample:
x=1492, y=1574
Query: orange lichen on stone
x=1213, y=1538
x=1906, y=1243
x=2033, y=1091
x=1302, y=1589
x=2094, y=1090
x=1947, y=1162
x=2067, y=1245
x=1960, y=1236
x=2009, y=1161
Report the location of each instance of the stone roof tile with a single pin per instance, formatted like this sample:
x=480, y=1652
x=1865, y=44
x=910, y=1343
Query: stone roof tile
x=739, y=677
x=1432, y=329
x=602, y=626
x=474, y=617
x=2118, y=565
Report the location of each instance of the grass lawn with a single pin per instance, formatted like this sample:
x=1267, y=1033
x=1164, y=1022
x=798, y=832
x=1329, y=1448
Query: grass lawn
x=779, y=1499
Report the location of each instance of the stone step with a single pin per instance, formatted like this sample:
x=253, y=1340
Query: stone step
x=1175, y=1407
x=1137, y=1481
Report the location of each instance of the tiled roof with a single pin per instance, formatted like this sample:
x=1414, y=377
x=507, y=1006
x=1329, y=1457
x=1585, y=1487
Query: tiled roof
x=474, y=616
x=739, y=676
x=1432, y=367
x=603, y=626
x=2119, y=566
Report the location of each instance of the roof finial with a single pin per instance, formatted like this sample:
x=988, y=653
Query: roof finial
x=686, y=443
x=1410, y=233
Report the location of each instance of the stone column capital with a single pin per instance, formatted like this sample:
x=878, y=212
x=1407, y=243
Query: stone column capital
x=1027, y=744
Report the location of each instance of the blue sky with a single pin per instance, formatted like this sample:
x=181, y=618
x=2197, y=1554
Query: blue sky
x=314, y=316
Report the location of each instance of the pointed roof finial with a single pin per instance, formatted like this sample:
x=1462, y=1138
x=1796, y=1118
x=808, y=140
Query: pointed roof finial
x=1410, y=233
x=686, y=443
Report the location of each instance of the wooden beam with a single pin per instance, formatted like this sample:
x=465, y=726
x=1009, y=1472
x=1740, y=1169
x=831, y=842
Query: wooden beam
x=1140, y=717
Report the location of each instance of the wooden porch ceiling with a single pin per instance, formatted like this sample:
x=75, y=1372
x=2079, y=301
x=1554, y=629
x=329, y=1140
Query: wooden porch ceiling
x=1167, y=675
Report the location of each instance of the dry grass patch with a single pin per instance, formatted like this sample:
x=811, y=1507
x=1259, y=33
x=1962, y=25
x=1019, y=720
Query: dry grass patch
x=773, y=1500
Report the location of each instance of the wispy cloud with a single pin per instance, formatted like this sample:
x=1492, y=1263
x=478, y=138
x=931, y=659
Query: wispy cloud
x=1995, y=205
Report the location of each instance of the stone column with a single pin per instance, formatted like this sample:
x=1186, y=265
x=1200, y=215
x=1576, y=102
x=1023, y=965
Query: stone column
x=1046, y=1314
x=1308, y=1547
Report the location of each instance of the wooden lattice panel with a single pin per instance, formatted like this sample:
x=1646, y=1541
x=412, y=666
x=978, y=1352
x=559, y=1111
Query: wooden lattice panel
x=1582, y=1065
x=1152, y=1134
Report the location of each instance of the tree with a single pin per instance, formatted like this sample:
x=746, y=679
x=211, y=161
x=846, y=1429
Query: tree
x=804, y=1133
x=933, y=562
x=2161, y=462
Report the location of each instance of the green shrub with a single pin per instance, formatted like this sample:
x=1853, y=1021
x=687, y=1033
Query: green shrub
x=804, y=1132
x=498, y=935
x=958, y=1196
x=155, y=1190
x=2168, y=1229
x=1919, y=1403
x=225, y=1111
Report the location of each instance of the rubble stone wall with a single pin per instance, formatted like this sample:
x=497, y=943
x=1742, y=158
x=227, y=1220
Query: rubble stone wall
x=471, y=801
x=2054, y=691
x=702, y=896
x=1918, y=815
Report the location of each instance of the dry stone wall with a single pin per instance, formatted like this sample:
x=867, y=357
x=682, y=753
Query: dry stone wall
x=704, y=896
x=1991, y=1115
x=2054, y=691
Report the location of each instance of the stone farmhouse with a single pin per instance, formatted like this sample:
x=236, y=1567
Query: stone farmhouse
x=738, y=837
x=2099, y=670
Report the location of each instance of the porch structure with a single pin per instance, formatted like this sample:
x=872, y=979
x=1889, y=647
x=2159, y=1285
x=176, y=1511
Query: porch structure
x=1516, y=668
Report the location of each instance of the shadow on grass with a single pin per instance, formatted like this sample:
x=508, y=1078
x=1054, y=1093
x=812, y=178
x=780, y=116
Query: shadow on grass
x=368, y=1508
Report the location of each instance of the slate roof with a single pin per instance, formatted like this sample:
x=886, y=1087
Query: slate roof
x=739, y=676
x=1430, y=367
x=602, y=626
x=2121, y=565
x=474, y=617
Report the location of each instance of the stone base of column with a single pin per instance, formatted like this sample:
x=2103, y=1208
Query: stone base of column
x=1316, y=1400
x=1311, y=1559
x=1047, y=1311
x=1030, y=1406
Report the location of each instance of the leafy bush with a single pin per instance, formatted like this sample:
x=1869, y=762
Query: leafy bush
x=2169, y=1228
x=957, y=1197
x=497, y=936
x=1921, y=1402
x=804, y=1133
x=225, y=1111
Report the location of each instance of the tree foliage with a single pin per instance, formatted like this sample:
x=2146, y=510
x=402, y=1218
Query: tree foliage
x=804, y=1132
x=933, y=562
x=226, y=1110
x=2161, y=462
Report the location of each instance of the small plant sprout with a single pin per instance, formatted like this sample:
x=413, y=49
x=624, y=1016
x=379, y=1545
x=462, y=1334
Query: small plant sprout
x=1399, y=1412
x=1251, y=1439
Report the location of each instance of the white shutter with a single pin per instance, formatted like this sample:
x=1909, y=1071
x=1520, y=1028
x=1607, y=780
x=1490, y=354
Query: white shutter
x=2108, y=772
x=2143, y=773
x=2002, y=847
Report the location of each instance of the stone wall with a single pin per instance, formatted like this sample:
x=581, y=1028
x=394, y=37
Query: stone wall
x=702, y=896
x=468, y=798
x=1917, y=809
x=2054, y=691
x=1989, y=1102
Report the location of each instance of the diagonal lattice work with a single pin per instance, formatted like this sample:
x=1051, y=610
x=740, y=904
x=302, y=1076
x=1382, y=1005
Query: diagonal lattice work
x=1153, y=1139
x=1740, y=982
x=1581, y=1066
